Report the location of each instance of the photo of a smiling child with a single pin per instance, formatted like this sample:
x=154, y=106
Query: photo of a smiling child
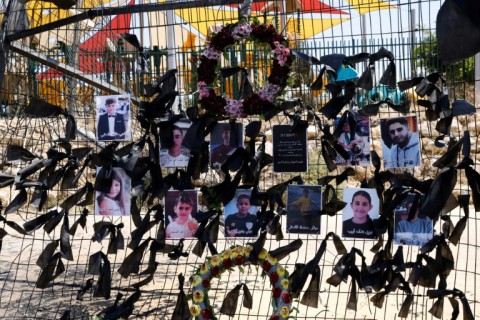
x=361, y=210
x=241, y=215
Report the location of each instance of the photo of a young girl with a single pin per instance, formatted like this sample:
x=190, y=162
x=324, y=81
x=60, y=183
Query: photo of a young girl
x=361, y=210
x=115, y=202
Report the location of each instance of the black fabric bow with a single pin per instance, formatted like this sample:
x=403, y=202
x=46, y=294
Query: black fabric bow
x=332, y=62
x=207, y=232
x=83, y=289
x=439, y=192
x=331, y=202
x=456, y=234
x=333, y=107
x=389, y=76
x=284, y=251
x=103, y=228
x=81, y=221
x=229, y=304
x=312, y=268
x=123, y=310
x=15, y=153
x=245, y=89
x=373, y=108
x=346, y=267
x=99, y=265
x=330, y=148
x=437, y=308
x=42, y=109
x=181, y=311
x=166, y=83
x=142, y=59
x=11, y=224
x=51, y=264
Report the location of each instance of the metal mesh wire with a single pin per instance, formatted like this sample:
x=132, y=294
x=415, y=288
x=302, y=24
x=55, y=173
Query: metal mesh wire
x=92, y=47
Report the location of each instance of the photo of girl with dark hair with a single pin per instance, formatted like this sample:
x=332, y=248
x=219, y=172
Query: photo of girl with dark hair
x=363, y=209
x=116, y=202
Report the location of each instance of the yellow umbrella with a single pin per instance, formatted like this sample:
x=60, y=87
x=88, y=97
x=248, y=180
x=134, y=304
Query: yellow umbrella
x=40, y=13
x=207, y=19
x=365, y=6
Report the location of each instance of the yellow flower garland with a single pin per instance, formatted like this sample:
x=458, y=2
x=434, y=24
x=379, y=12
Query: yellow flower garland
x=237, y=256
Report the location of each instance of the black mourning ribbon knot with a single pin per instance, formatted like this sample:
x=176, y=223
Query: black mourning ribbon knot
x=181, y=311
x=312, y=268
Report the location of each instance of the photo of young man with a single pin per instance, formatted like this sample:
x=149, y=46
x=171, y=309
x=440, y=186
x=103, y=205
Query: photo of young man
x=411, y=228
x=174, y=154
x=225, y=139
x=400, y=142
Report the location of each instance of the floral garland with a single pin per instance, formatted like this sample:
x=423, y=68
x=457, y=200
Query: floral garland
x=226, y=260
x=259, y=102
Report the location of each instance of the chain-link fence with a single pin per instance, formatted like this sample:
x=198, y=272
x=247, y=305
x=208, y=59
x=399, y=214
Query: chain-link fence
x=46, y=265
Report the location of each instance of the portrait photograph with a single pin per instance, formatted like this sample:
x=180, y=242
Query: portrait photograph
x=172, y=151
x=304, y=205
x=241, y=215
x=363, y=207
x=225, y=138
x=113, y=118
x=181, y=208
x=400, y=142
x=356, y=141
x=115, y=202
x=412, y=227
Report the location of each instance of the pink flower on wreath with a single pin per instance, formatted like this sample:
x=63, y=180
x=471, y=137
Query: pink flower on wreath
x=202, y=90
x=282, y=53
x=211, y=53
x=242, y=31
x=269, y=92
x=234, y=108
